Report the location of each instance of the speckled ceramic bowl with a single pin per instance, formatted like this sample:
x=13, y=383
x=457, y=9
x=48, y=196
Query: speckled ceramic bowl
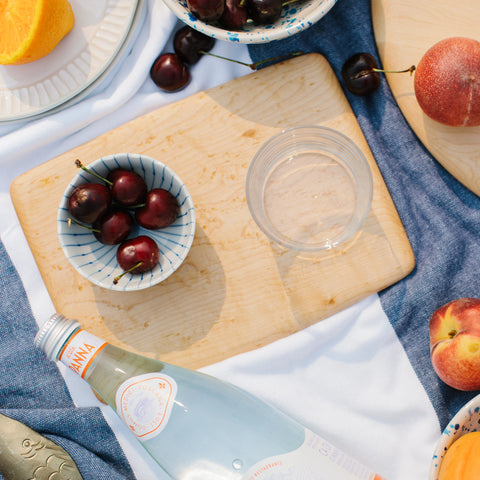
x=98, y=262
x=466, y=420
x=295, y=17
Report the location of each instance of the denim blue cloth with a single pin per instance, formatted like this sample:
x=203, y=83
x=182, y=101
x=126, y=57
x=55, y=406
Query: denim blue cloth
x=440, y=216
x=33, y=391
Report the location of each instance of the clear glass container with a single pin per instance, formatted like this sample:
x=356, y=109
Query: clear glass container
x=309, y=188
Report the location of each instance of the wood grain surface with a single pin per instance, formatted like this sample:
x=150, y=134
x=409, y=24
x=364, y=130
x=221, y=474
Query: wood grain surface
x=404, y=30
x=235, y=291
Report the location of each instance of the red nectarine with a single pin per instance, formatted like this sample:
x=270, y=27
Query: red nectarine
x=447, y=82
x=455, y=343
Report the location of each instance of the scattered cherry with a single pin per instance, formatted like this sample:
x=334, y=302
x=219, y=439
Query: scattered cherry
x=137, y=255
x=188, y=43
x=128, y=187
x=206, y=10
x=89, y=201
x=160, y=210
x=235, y=15
x=362, y=75
x=114, y=227
x=169, y=72
x=264, y=12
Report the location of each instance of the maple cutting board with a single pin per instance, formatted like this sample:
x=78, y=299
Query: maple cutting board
x=235, y=291
x=404, y=30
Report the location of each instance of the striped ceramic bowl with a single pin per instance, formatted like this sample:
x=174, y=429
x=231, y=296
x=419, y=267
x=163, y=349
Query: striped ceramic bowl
x=97, y=262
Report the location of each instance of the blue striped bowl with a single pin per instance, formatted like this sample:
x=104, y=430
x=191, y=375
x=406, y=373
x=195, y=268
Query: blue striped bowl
x=98, y=262
x=296, y=17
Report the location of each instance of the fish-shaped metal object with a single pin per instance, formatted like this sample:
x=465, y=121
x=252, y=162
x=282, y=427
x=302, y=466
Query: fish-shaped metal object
x=27, y=455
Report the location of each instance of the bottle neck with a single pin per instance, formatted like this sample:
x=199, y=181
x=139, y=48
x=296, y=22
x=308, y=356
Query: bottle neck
x=80, y=350
x=64, y=339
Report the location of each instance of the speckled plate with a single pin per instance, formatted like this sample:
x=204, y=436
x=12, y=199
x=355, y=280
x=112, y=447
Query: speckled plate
x=101, y=27
x=98, y=262
x=466, y=420
x=295, y=17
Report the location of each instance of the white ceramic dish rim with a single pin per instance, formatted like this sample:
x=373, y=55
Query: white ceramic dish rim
x=107, y=73
x=75, y=63
x=457, y=427
x=186, y=222
x=257, y=35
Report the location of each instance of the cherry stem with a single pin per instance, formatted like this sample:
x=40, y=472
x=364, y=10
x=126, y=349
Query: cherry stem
x=118, y=277
x=79, y=164
x=255, y=65
x=71, y=220
x=410, y=69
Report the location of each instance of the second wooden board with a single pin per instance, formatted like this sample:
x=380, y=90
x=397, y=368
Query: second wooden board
x=404, y=30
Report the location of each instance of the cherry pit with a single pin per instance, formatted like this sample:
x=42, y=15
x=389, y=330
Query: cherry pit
x=111, y=209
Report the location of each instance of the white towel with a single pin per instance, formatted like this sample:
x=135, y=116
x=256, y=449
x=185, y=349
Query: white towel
x=347, y=378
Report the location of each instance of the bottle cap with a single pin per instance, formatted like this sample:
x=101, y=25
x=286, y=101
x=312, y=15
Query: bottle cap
x=54, y=333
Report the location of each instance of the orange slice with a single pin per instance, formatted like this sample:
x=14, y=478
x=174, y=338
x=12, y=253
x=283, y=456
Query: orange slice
x=31, y=29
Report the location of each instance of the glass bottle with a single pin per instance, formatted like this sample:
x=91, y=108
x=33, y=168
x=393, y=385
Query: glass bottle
x=195, y=426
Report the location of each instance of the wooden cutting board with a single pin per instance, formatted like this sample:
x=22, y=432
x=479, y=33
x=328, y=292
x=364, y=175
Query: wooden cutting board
x=235, y=291
x=404, y=30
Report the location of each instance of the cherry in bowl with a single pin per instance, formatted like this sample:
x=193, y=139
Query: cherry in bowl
x=98, y=262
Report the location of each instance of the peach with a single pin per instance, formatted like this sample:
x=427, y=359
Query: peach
x=447, y=82
x=455, y=343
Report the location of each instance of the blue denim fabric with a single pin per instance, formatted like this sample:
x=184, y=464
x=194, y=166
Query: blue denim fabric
x=440, y=216
x=33, y=391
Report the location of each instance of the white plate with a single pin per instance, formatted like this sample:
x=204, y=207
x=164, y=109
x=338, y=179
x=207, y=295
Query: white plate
x=123, y=52
x=101, y=27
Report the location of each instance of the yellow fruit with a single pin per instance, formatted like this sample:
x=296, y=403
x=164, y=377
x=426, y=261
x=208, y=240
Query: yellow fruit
x=31, y=29
x=462, y=460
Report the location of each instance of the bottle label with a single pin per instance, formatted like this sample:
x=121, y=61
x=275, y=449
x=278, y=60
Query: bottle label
x=145, y=403
x=316, y=459
x=80, y=350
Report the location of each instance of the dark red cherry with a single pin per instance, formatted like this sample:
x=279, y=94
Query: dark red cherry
x=160, y=210
x=359, y=74
x=188, y=42
x=89, y=201
x=206, y=10
x=169, y=72
x=137, y=255
x=128, y=187
x=234, y=15
x=264, y=12
x=114, y=227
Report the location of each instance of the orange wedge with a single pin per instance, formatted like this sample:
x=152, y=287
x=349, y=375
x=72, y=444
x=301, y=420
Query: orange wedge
x=31, y=29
